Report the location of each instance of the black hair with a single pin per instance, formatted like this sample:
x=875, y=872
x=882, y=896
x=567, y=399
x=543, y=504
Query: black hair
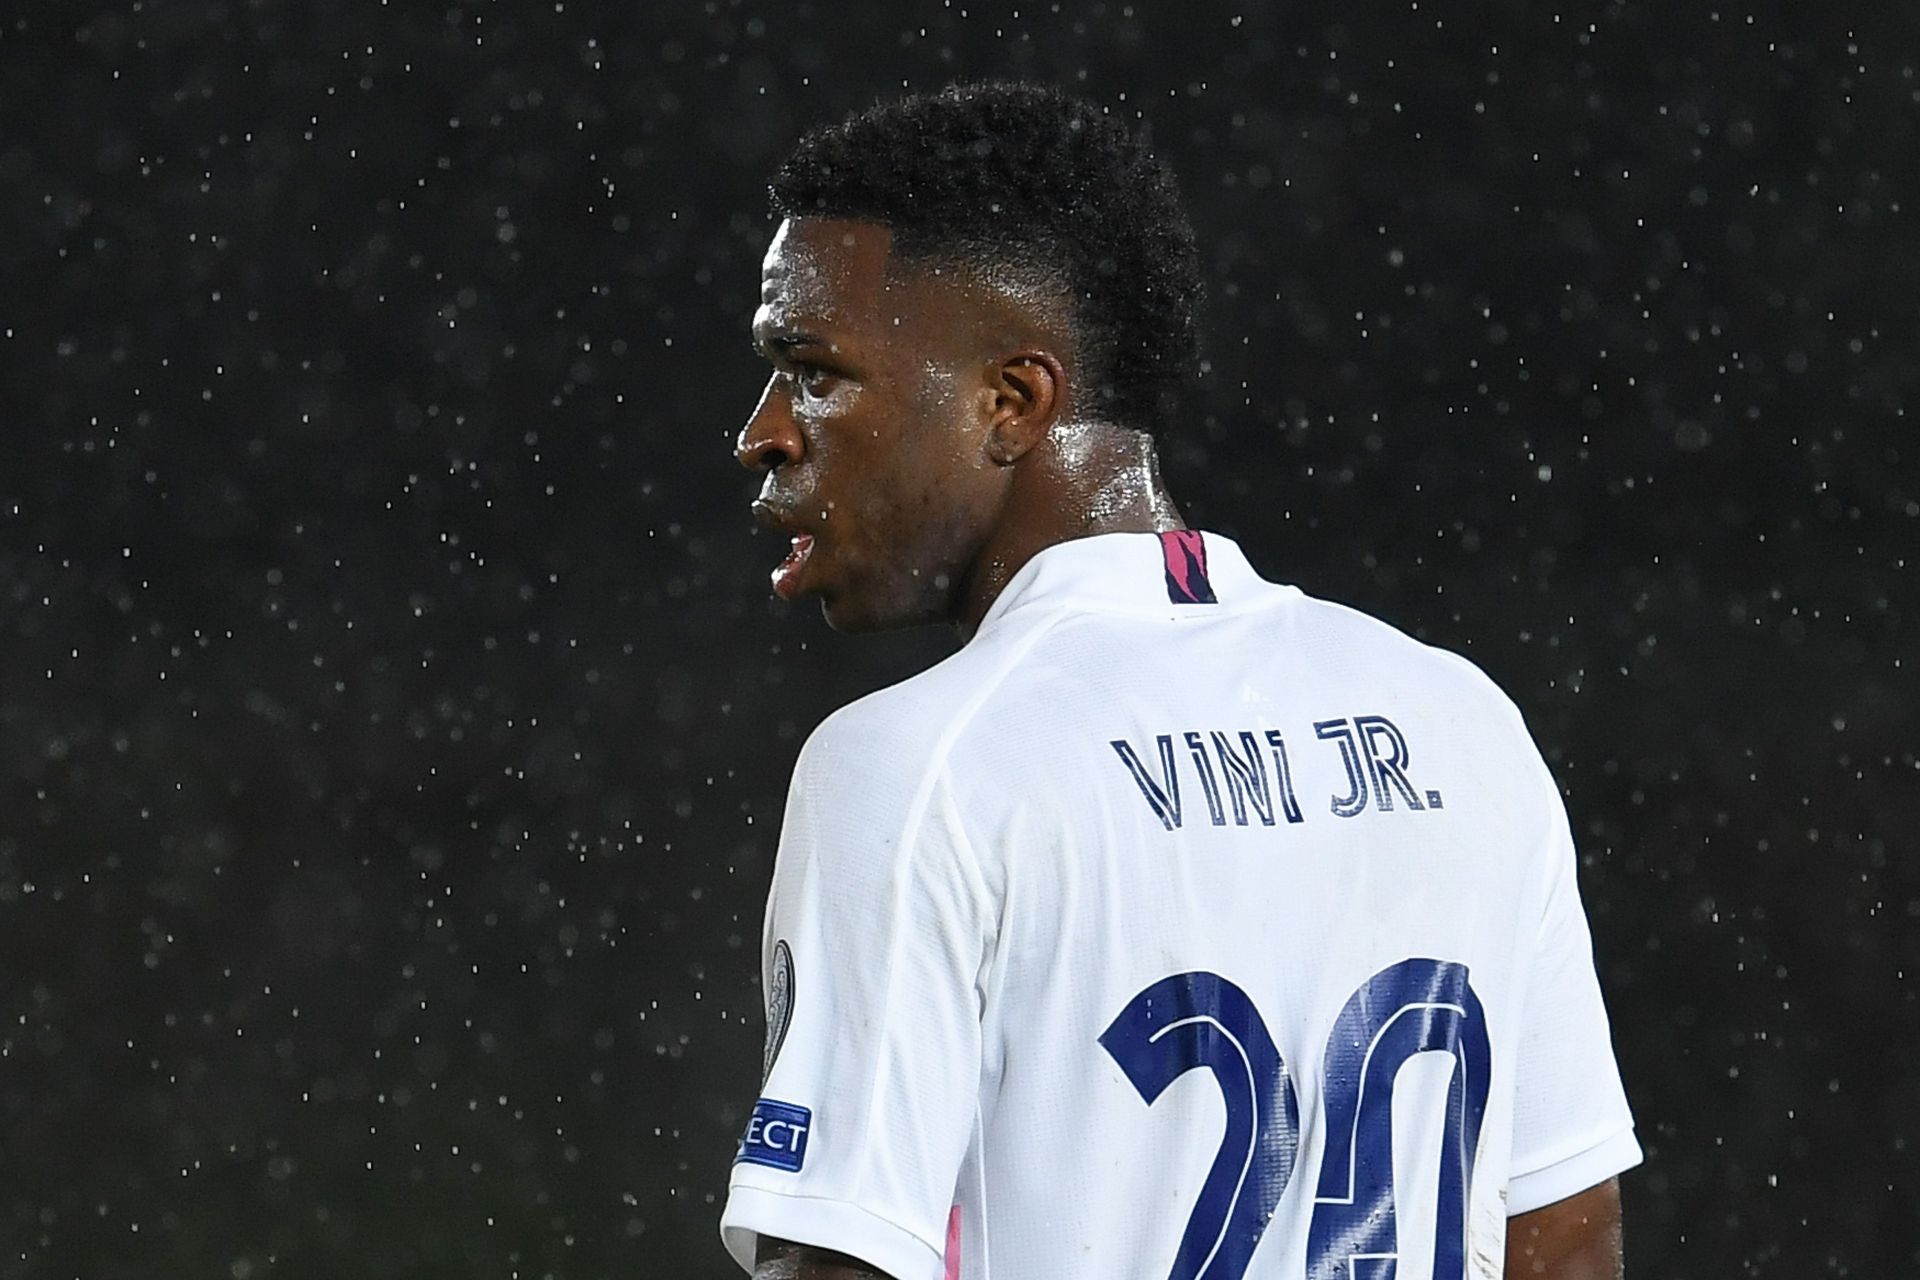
x=966, y=174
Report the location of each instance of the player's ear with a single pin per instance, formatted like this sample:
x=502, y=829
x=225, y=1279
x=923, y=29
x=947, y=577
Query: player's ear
x=1029, y=391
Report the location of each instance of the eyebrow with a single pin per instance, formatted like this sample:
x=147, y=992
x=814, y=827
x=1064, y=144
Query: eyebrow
x=783, y=344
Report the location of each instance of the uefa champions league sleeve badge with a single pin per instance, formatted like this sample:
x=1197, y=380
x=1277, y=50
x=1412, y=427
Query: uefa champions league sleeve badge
x=779, y=1005
x=777, y=1131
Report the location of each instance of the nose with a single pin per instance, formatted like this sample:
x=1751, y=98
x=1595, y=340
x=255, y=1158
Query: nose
x=770, y=439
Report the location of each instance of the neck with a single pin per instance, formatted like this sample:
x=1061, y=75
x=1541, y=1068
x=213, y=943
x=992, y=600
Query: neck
x=1085, y=479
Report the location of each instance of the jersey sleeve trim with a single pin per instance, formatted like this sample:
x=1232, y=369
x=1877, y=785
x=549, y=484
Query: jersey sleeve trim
x=839, y=1225
x=1570, y=1175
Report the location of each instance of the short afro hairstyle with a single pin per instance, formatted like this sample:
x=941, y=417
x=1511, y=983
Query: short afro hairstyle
x=961, y=176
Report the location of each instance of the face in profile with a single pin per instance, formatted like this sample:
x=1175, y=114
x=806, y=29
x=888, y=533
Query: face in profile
x=872, y=430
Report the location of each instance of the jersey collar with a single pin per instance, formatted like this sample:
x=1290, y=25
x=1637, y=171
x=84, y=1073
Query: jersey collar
x=1186, y=574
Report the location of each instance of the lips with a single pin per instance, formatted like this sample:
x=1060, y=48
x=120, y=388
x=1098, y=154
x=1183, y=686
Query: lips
x=787, y=575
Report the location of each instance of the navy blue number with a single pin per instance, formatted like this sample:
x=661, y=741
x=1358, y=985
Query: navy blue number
x=1202, y=1020
x=1416, y=1006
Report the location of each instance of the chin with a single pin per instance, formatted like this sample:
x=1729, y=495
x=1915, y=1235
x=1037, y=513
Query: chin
x=852, y=614
x=850, y=620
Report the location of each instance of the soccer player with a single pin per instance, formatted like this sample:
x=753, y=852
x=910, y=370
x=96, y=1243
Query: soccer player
x=1180, y=925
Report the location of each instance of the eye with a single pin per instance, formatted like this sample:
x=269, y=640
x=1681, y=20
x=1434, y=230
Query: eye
x=813, y=379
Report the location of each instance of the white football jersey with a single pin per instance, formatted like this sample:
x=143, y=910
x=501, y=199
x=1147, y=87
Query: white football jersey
x=1179, y=926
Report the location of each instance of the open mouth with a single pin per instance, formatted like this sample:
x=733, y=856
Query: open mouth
x=786, y=576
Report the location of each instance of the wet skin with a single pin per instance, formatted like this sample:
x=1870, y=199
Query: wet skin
x=923, y=429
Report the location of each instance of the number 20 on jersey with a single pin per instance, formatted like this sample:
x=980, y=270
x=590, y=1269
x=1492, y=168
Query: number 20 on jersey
x=1201, y=1020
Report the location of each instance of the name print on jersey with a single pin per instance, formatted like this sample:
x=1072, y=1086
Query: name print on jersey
x=1232, y=772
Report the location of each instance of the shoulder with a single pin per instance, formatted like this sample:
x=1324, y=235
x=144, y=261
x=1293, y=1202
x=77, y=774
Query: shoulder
x=1360, y=639
x=872, y=806
x=907, y=732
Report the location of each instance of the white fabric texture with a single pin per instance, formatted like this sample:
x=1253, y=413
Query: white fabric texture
x=983, y=867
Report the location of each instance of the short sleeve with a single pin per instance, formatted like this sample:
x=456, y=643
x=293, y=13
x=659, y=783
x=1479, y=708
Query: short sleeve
x=1572, y=1129
x=877, y=933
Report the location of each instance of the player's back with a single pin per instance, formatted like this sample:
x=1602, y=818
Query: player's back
x=1239, y=929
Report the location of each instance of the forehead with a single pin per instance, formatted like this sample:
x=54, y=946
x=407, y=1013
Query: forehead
x=826, y=269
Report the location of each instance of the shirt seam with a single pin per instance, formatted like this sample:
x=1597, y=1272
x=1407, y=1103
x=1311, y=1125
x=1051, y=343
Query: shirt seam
x=937, y=772
x=1570, y=1153
x=1285, y=593
x=937, y=1251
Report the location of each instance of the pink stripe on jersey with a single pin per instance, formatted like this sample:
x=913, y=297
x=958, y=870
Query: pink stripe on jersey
x=953, y=1244
x=1185, y=554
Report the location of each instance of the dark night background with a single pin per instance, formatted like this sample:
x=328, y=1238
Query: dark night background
x=395, y=723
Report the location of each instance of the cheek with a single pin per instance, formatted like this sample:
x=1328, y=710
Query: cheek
x=903, y=466
x=928, y=468
x=944, y=497
x=842, y=398
x=829, y=421
x=940, y=428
